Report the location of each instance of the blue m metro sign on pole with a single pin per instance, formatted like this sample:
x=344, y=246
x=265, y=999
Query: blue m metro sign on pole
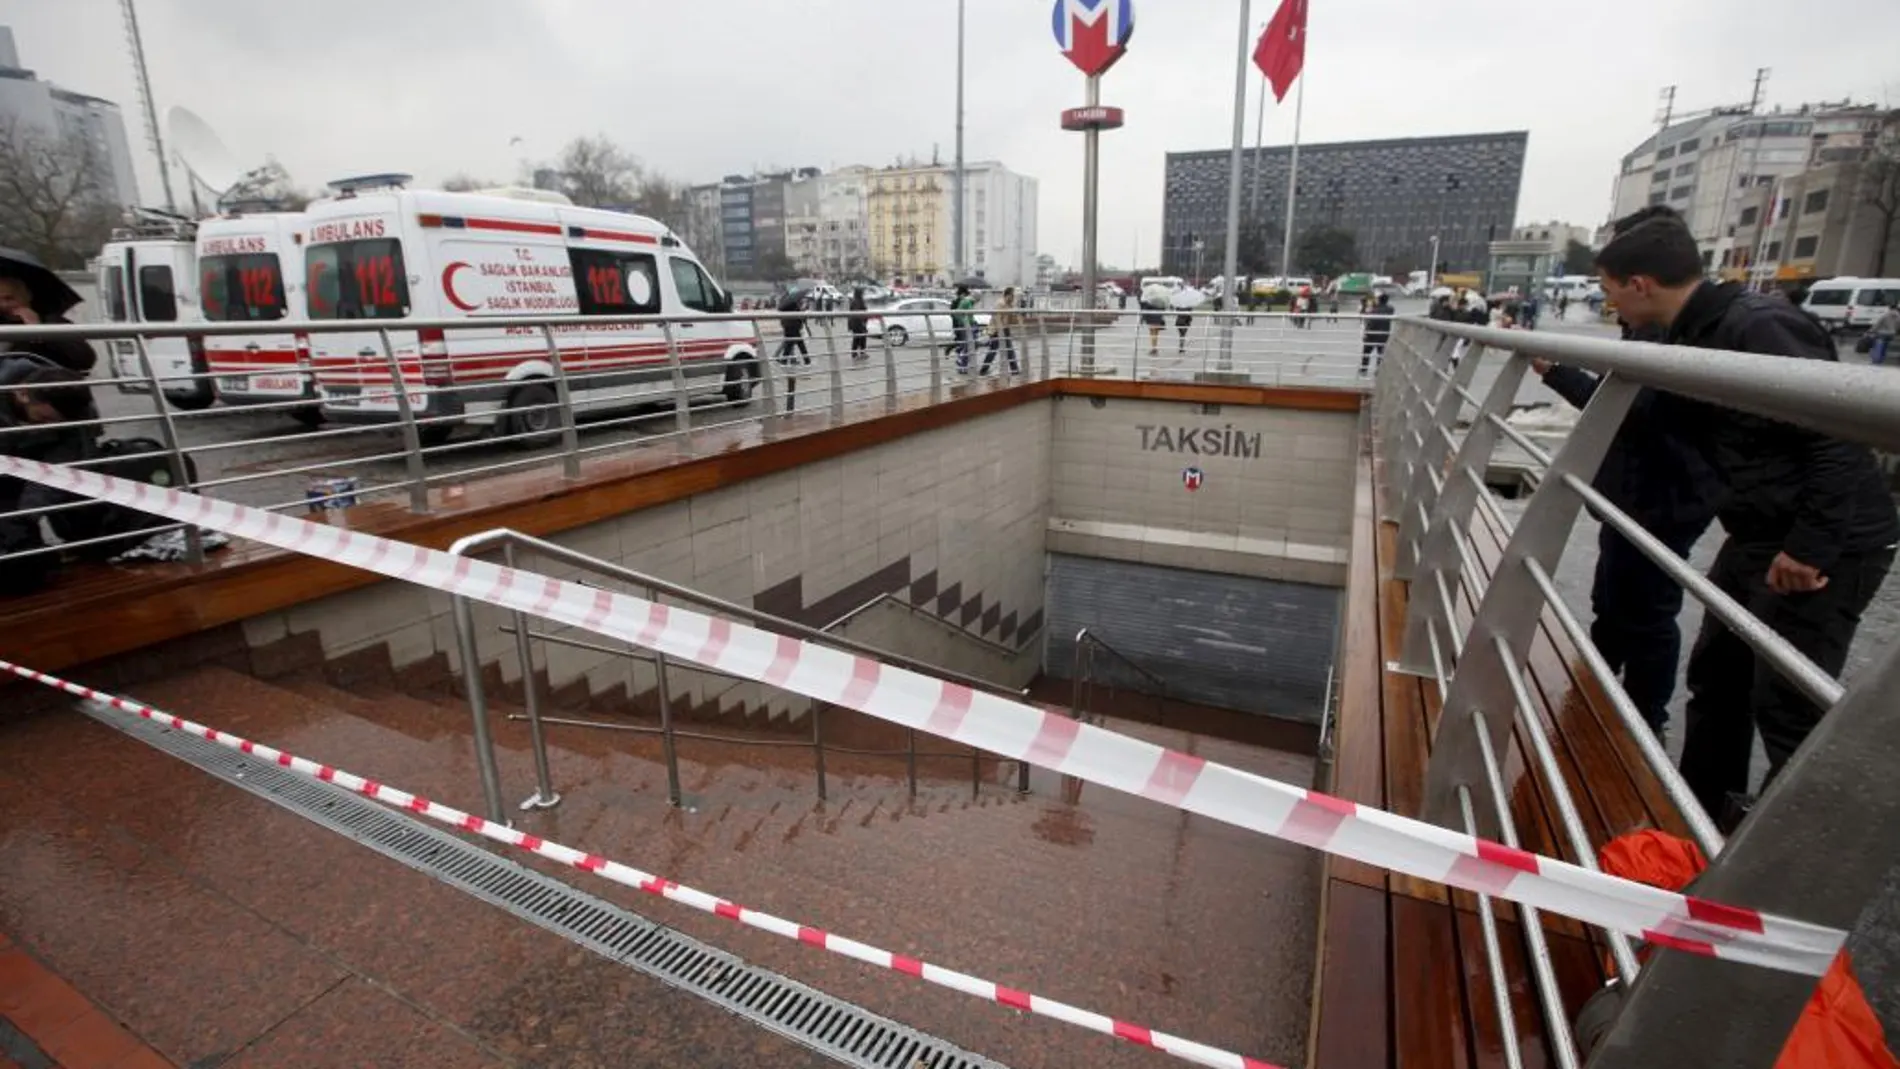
x=1094, y=35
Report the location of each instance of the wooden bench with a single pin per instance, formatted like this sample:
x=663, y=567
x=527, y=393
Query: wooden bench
x=1403, y=978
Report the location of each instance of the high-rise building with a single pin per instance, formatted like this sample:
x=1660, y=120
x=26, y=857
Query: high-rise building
x=910, y=224
x=1392, y=195
x=1836, y=217
x=1711, y=167
x=827, y=220
x=89, y=124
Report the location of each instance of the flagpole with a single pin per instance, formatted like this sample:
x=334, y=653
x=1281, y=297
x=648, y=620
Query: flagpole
x=1230, y=295
x=1293, y=179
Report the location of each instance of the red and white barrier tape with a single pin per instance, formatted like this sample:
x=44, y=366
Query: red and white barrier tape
x=1013, y=729
x=628, y=876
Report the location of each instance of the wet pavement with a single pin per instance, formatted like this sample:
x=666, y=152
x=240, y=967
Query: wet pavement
x=268, y=941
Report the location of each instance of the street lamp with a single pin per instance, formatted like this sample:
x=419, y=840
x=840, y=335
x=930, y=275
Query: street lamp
x=1431, y=270
x=1200, y=246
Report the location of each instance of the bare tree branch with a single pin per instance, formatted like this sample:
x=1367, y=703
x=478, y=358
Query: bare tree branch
x=55, y=201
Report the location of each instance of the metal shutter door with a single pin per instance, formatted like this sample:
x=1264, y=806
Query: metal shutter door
x=1253, y=645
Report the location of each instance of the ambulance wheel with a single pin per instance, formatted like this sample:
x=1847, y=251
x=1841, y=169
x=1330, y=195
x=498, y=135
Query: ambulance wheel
x=527, y=424
x=308, y=415
x=200, y=398
x=434, y=434
x=742, y=377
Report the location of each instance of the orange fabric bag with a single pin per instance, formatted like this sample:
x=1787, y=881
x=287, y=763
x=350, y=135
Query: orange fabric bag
x=1837, y=1030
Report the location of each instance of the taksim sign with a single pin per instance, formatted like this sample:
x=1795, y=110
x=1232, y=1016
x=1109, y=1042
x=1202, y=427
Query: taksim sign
x=1094, y=33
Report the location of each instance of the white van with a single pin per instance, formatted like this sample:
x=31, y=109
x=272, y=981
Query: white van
x=146, y=275
x=1852, y=303
x=379, y=252
x=250, y=270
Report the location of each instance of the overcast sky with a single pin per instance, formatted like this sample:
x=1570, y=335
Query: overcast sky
x=702, y=88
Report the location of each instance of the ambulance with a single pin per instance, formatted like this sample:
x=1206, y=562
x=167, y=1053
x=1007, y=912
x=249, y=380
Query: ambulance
x=250, y=270
x=146, y=274
x=379, y=252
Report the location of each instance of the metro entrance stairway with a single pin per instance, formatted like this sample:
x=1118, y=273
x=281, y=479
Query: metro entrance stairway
x=275, y=942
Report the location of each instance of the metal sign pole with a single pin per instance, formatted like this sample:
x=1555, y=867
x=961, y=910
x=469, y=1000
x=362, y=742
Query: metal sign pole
x=1091, y=181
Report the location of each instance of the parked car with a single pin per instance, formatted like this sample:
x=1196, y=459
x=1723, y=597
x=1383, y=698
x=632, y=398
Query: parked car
x=919, y=317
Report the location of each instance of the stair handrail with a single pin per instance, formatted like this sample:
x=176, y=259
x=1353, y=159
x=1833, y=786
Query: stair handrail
x=916, y=610
x=508, y=540
x=1083, y=681
x=502, y=536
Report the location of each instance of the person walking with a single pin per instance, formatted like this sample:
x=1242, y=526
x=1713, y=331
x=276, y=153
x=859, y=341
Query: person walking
x=1003, y=333
x=963, y=327
x=859, y=325
x=792, y=353
x=1378, y=332
x=1154, y=316
x=1563, y=306
x=1882, y=333
x=1183, y=320
x=1811, y=526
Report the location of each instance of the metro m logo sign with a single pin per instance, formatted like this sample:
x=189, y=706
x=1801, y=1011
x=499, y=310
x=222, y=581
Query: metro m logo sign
x=1094, y=33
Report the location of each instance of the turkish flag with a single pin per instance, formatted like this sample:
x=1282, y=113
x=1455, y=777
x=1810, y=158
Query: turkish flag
x=1281, y=52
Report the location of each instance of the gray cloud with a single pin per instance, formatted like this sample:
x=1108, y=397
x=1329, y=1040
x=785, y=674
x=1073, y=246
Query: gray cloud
x=704, y=89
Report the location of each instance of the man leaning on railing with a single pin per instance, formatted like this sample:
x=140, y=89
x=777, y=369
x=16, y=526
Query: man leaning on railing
x=1811, y=526
x=1658, y=475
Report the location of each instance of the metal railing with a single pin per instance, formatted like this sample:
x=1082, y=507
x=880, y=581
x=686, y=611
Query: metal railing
x=562, y=404
x=1834, y=805
x=1083, y=680
x=655, y=588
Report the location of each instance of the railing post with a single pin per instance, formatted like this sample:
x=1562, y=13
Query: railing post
x=818, y=744
x=1042, y=334
x=837, y=371
x=174, y=457
x=1439, y=559
x=1836, y=804
x=1423, y=385
x=411, y=434
x=563, y=391
x=769, y=422
x=1393, y=413
x=910, y=759
x=936, y=358
x=682, y=411
x=477, y=707
x=1421, y=497
x=890, y=371
x=544, y=796
x=1512, y=608
x=668, y=750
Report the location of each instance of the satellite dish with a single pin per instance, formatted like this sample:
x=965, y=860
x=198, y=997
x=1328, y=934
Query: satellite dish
x=203, y=151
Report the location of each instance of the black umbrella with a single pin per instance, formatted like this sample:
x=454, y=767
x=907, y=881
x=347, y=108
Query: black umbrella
x=51, y=297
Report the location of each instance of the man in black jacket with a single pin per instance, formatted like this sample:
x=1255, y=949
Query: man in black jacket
x=1662, y=480
x=1811, y=525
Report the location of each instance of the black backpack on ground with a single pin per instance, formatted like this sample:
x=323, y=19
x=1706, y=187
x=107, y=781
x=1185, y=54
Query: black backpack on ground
x=141, y=460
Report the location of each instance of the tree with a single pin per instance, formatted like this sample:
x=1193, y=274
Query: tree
x=1328, y=251
x=463, y=182
x=1880, y=189
x=1579, y=259
x=595, y=172
x=55, y=200
x=270, y=183
x=659, y=197
x=775, y=266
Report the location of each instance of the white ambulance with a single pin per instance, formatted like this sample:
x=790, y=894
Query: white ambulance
x=379, y=252
x=250, y=270
x=146, y=274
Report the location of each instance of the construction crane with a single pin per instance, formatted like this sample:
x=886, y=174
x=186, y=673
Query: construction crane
x=146, y=103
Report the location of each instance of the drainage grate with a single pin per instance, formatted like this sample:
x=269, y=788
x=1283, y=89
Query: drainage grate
x=839, y=1030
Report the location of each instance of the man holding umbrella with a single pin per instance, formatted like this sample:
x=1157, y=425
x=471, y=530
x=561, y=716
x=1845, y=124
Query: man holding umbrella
x=32, y=295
